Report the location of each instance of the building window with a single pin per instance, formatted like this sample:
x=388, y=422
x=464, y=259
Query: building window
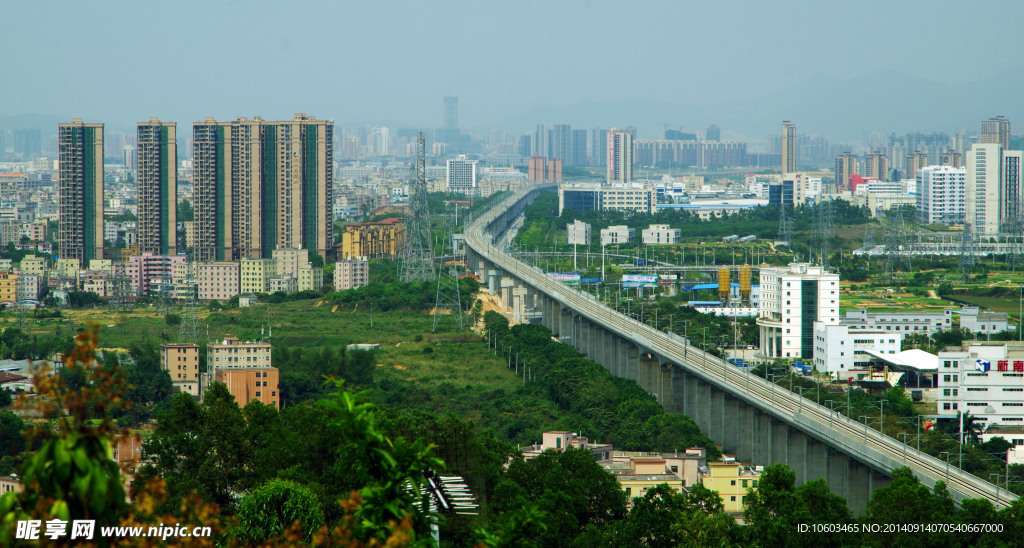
x=732, y=482
x=732, y=498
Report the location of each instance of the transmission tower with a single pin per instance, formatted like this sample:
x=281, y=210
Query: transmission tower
x=966, y=252
x=897, y=254
x=417, y=261
x=122, y=300
x=449, y=298
x=1015, y=242
x=785, y=228
x=869, y=237
x=826, y=231
x=190, y=311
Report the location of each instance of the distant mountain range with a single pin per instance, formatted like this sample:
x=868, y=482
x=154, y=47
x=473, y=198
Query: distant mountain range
x=838, y=109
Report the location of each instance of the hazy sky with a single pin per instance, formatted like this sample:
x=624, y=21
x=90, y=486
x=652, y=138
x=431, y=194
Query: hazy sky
x=391, y=62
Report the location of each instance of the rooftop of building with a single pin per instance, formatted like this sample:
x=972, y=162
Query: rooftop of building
x=1004, y=429
x=384, y=222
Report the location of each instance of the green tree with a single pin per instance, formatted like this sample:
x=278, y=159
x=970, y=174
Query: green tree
x=570, y=486
x=385, y=467
x=777, y=507
x=185, y=212
x=12, y=442
x=273, y=507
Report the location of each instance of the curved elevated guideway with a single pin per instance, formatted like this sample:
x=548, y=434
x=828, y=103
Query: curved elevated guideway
x=758, y=420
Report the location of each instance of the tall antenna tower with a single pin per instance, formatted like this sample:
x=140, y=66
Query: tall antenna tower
x=966, y=252
x=122, y=300
x=448, y=295
x=190, y=311
x=785, y=228
x=418, y=255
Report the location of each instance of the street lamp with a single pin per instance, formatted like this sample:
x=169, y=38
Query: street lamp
x=865, y=419
x=800, y=404
x=832, y=411
x=904, y=434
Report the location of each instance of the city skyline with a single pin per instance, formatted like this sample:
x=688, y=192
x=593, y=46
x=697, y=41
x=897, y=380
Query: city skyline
x=715, y=84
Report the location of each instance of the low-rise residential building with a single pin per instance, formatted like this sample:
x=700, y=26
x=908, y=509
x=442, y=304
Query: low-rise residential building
x=310, y=278
x=638, y=471
x=905, y=321
x=381, y=240
x=251, y=383
x=286, y=284
x=255, y=275
x=148, y=271
x=289, y=261
x=8, y=288
x=33, y=264
x=577, y=233
x=217, y=280
x=732, y=480
x=102, y=287
x=67, y=268
x=560, y=440
x=660, y=234
x=28, y=286
x=351, y=274
x=230, y=352
x=985, y=379
x=976, y=320
x=181, y=361
x=838, y=349
x=618, y=234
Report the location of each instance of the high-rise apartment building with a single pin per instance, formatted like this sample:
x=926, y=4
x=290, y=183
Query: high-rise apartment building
x=713, y=133
x=876, y=166
x=561, y=142
x=80, y=196
x=578, y=155
x=157, y=178
x=1010, y=190
x=995, y=130
x=260, y=185
x=952, y=158
x=983, y=188
x=915, y=161
x=788, y=147
x=451, y=112
x=941, y=195
x=460, y=175
x=620, y=156
x=846, y=164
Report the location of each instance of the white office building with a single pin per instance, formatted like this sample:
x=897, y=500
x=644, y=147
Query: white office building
x=792, y=299
x=460, y=175
x=660, y=234
x=618, y=234
x=577, y=233
x=978, y=321
x=838, y=349
x=941, y=195
x=905, y=321
x=985, y=379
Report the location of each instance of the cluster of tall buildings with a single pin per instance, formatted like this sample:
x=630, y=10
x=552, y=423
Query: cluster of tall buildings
x=258, y=185
x=984, y=193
